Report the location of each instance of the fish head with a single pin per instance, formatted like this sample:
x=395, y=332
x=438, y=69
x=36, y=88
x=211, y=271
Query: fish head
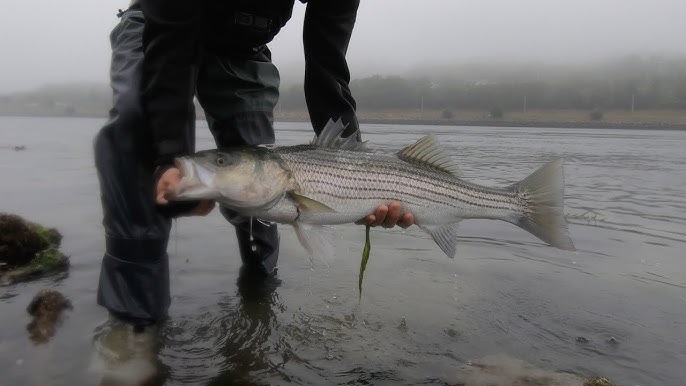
x=241, y=178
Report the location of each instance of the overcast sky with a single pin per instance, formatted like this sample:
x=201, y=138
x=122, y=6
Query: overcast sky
x=51, y=41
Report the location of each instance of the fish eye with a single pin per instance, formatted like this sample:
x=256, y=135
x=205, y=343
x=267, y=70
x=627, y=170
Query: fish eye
x=220, y=160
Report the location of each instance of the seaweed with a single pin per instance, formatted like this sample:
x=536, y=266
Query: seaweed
x=28, y=249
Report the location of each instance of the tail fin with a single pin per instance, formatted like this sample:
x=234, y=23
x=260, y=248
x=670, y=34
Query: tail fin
x=544, y=191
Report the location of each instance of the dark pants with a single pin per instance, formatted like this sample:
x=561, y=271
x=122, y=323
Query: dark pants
x=238, y=95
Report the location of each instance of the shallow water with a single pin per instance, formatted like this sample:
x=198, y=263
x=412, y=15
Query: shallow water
x=616, y=307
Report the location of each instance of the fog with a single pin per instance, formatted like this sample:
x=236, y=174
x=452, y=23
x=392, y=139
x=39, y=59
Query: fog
x=45, y=41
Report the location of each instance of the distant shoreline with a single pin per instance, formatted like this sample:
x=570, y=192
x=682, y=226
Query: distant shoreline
x=367, y=118
x=536, y=124
x=564, y=119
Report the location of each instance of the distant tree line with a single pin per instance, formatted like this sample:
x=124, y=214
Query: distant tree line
x=643, y=84
x=92, y=99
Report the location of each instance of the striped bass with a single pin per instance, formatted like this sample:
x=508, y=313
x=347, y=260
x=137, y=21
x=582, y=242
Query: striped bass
x=337, y=180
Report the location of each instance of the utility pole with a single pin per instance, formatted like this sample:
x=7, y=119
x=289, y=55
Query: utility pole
x=633, y=100
x=524, y=103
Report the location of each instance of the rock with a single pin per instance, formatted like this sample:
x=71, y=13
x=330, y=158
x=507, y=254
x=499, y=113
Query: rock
x=28, y=249
x=504, y=370
x=599, y=381
x=46, y=309
x=19, y=242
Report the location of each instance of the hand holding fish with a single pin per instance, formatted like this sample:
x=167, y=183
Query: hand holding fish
x=388, y=216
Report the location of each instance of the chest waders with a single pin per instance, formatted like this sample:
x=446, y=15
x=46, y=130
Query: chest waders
x=238, y=89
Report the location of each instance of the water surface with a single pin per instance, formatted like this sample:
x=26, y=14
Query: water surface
x=616, y=307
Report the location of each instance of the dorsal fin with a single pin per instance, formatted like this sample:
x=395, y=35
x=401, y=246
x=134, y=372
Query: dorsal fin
x=331, y=137
x=428, y=151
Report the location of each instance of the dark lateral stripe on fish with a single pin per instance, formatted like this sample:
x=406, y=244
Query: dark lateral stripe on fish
x=491, y=200
x=496, y=199
x=455, y=192
x=399, y=170
x=433, y=179
x=383, y=194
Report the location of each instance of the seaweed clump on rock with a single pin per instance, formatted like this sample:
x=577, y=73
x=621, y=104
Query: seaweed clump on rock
x=28, y=250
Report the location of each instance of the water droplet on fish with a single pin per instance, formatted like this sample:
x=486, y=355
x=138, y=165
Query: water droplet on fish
x=253, y=247
x=335, y=297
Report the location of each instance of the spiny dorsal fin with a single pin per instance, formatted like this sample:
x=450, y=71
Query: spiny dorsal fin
x=428, y=151
x=331, y=137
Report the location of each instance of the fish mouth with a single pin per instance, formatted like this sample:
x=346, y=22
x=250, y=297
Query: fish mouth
x=195, y=182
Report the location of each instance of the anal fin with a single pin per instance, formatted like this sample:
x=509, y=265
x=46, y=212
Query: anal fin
x=445, y=236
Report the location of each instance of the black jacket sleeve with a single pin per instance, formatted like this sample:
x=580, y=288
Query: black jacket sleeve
x=326, y=34
x=171, y=43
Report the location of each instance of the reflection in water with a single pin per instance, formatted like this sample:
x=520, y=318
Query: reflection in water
x=126, y=355
x=234, y=340
x=246, y=329
x=46, y=308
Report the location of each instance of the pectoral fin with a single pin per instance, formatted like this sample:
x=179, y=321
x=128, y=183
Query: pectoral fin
x=306, y=204
x=445, y=236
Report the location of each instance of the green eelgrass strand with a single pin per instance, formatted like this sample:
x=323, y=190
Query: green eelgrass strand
x=365, y=259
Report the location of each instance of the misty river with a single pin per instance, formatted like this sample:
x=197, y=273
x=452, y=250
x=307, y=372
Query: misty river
x=615, y=308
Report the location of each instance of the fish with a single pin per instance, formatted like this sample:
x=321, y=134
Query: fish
x=338, y=180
